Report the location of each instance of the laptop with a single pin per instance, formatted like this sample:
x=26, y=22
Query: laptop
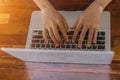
x=38, y=51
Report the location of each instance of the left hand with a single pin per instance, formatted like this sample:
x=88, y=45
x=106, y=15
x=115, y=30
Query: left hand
x=89, y=20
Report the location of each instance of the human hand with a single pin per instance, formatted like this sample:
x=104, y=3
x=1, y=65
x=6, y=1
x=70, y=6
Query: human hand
x=54, y=22
x=88, y=21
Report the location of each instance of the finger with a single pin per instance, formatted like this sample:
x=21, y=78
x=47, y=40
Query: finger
x=45, y=35
x=74, y=25
x=56, y=33
x=90, y=37
x=62, y=29
x=83, y=33
x=52, y=36
x=76, y=32
x=66, y=25
x=95, y=35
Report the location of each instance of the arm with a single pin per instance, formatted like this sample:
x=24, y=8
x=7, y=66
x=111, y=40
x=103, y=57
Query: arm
x=52, y=22
x=43, y=4
x=103, y=3
x=89, y=20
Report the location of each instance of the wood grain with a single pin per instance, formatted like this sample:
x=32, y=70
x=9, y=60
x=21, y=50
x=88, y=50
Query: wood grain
x=14, y=35
x=12, y=68
x=21, y=10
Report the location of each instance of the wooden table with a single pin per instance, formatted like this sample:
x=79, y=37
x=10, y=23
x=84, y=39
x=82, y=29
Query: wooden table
x=15, y=69
x=13, y=33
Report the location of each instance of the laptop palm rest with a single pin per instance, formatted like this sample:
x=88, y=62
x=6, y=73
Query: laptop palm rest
x=62, y=56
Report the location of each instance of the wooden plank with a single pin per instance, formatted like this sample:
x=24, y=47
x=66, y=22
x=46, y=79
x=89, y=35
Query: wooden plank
x=11, y=69
x=53, y=67
x=116, y=48
x=22, y=9
x=13, y=74
x=12, y=39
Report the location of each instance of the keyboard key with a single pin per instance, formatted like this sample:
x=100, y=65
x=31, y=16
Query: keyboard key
x=47, y=45
x=73, y=46
x=57, y=46
x=102, y=33
x=33, y=41
x=100, y=38
x=35, y=31
x=52, y=45
x=42, y=45
x=37, y=45
x=36, y=36
x=94, y=47
x=101, y=47
x=100, y=42
x=42, y=41
x=67, y=46
x=40, y=32
x=83, y=46
x=41, y=37
x=62, y=46
x=33, y=45
x=36, y=41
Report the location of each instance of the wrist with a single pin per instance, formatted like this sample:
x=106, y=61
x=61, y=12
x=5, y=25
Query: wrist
x=95, y=7
x=98, y=5
x=102, y=3
x=44, y=4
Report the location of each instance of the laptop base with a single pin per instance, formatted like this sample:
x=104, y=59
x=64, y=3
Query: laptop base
x=62, y=56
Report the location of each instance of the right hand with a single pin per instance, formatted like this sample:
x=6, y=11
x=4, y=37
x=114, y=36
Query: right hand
x=54, y=22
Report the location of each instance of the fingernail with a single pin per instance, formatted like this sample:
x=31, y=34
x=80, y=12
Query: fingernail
x=57, y=44
x=47, y=42
x=79, y=46
x=88, y=45
x=73, y=41
x=94, y=42
x=67, y=39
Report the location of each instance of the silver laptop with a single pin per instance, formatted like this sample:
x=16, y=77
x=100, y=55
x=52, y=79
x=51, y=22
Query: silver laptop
x=38, y=51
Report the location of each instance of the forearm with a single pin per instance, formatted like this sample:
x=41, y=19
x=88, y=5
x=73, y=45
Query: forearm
x=102, y=3
x=98, y=6
x=43, y=4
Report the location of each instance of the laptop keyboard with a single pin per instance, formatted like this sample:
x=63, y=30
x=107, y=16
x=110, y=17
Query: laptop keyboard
x=39, y=43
